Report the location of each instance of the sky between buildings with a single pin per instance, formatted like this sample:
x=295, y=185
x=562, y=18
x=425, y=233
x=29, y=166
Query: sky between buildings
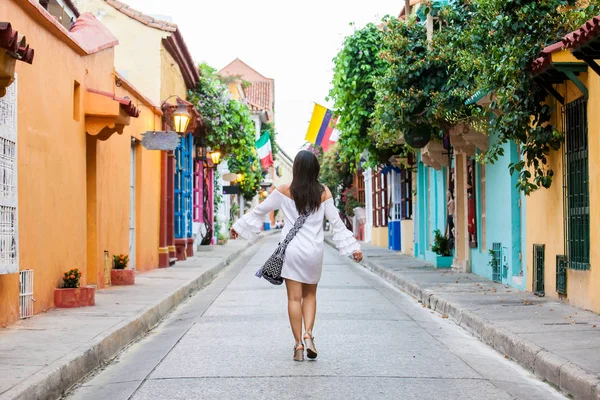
x=292, y=42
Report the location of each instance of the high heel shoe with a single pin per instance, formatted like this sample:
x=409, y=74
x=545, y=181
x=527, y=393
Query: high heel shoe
x=299, y=352
x=311, y=350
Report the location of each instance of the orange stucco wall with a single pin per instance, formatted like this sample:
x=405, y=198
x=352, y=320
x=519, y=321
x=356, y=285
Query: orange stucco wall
x=53, y=183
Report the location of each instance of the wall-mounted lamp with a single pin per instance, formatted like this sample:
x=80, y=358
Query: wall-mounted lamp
x=216, y=157
x=181, y=118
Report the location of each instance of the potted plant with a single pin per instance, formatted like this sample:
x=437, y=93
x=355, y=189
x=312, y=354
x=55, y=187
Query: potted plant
x=71, y=295
x=120, y=275
x=441, y=248
x=221, y=239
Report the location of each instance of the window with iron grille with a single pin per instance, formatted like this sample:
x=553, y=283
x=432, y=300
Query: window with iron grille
x=577, y=193
x=561, y=274
x=9, y=252
x=183, y=187
x=538, y=269
x=406, y=193
x=496, y=262
x=380, y=198
x=26, y=293
x=198, y=186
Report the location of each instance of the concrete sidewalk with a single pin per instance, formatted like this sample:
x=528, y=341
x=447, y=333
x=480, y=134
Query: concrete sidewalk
x=43, y=356
x=558, y=342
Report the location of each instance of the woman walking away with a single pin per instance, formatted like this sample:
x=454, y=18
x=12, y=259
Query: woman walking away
x=303, y=261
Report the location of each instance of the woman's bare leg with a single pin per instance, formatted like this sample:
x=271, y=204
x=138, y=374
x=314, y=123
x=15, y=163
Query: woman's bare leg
x=294, y=294
x=309, y=306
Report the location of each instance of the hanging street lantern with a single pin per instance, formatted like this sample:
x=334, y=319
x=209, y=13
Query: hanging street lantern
x=181, y=118
x=216, y=157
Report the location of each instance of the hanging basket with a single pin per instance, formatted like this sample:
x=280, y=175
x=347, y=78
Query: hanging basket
x=418, y=137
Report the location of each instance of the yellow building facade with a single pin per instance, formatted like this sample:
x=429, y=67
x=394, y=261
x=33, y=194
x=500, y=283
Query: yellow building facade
x=562, y=224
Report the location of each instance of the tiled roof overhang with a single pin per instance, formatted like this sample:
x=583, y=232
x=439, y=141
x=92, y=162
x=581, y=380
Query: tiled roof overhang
x=126, y=104
x=18, y=49
x=583, y=36
x=177, y=48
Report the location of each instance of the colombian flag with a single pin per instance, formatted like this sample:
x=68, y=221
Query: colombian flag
x=321, y=126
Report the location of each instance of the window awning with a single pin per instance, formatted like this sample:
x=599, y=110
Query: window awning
x=126, y=103
x=107, y=113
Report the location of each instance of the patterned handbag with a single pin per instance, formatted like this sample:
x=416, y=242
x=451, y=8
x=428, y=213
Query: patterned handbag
x=271, y=270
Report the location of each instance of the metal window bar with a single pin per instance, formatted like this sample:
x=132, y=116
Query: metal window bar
x=406, y=193
x=26, y=293
x=189, y=186
x=396, y=192
x=496, y=262
x=561, y=274
x=179, y=190
x=9, y=257
x=578, y=201
x=538, y=269
x=197, y=199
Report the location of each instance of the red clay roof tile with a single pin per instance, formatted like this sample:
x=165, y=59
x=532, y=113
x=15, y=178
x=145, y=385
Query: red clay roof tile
x=259, y=94
x=584, y=34
x=571, y=41
x=9, y=40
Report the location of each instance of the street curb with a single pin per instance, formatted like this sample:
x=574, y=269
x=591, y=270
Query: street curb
x=569, y=378
x=80, y=362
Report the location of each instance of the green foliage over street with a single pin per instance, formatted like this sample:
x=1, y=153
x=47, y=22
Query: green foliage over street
x=389, y=79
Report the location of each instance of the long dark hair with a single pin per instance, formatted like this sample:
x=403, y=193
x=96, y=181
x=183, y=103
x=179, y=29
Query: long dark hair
x=305, y=188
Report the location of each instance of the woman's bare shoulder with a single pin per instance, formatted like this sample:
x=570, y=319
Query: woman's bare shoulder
x=284, y=189
x=326, y=194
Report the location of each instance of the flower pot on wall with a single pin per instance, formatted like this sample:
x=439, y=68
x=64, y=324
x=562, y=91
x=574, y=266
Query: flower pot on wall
x=74, y=297
x=122, y=277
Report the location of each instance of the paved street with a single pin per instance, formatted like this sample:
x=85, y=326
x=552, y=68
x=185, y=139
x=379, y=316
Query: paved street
x=232, y=341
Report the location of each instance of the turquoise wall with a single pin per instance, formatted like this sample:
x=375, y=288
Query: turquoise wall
x=430, y=206
x=503, y=218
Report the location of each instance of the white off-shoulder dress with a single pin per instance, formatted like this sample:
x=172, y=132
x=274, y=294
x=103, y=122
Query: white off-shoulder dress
x=304, y=255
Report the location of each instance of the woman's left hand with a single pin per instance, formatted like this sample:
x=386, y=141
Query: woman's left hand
x=357, y=256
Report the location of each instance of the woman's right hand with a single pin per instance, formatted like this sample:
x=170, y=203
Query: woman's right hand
x=233, y=234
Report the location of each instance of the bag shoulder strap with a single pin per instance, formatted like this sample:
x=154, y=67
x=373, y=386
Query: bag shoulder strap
x=297, y=225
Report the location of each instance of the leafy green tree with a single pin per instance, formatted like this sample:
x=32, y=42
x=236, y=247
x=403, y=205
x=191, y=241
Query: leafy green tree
x=228, y=127
x=355, y=68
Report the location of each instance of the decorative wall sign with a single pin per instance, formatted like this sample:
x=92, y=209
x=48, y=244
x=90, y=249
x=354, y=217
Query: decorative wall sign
x=231, y=189
x=418, y=137
x=160, y=140
x=230, y=177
